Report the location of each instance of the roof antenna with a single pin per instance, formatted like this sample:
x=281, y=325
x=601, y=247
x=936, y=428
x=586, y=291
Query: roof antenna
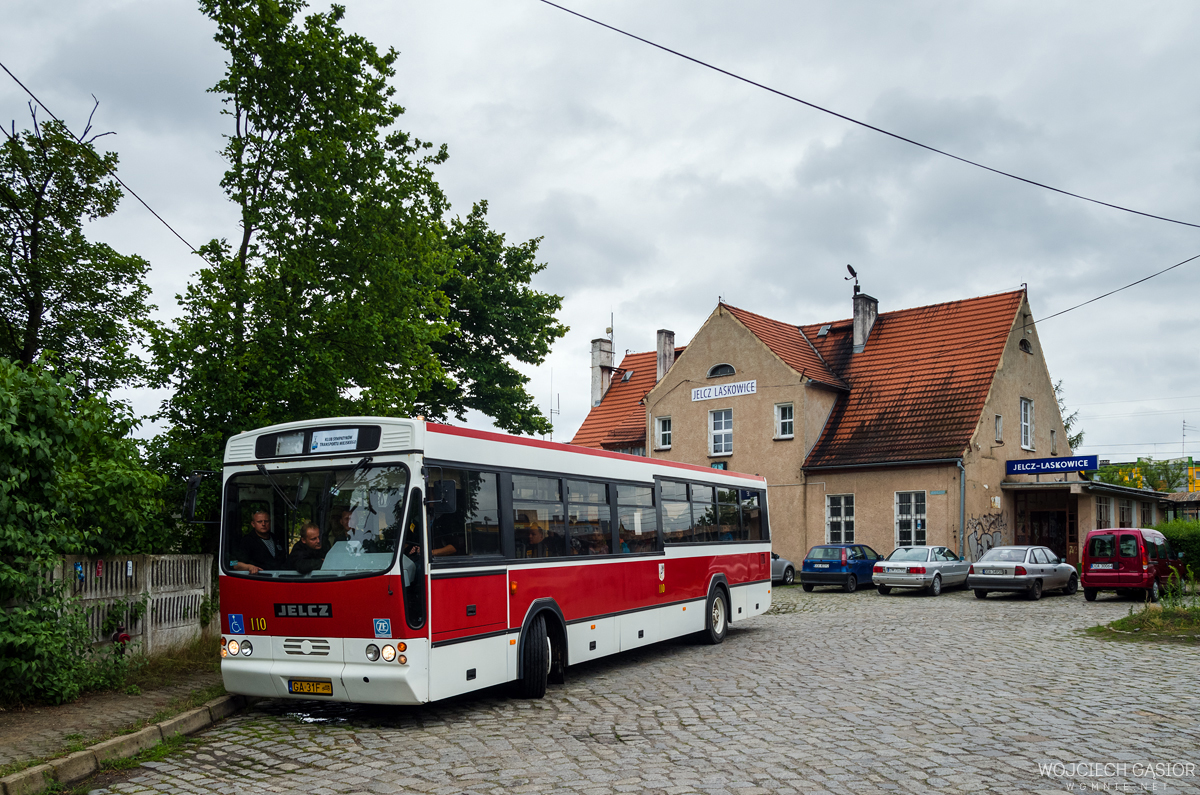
x=853, y=276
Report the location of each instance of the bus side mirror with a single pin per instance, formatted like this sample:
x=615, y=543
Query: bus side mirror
x=189, y=499
x=442, y=497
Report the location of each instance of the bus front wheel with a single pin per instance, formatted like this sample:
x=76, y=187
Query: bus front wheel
x=535, y=660
x=716, y=620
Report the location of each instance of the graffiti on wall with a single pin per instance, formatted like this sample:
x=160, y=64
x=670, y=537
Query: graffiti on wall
x=985, y=532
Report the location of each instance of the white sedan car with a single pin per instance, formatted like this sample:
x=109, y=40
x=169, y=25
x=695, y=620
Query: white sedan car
x=928, y=568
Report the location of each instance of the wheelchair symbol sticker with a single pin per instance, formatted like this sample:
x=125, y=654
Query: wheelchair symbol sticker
x=383, y=627
x=236, y=625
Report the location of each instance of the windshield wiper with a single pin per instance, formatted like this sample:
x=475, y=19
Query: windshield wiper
x=262, y=468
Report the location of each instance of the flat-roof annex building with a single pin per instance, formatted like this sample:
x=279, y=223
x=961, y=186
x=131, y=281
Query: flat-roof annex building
x=887, y=428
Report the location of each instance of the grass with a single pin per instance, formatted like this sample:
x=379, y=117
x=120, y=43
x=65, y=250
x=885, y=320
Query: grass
x=149, y=673
x=1154, y=623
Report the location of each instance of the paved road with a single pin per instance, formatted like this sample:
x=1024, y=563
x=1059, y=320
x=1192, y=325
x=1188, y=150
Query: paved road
x=831, y=692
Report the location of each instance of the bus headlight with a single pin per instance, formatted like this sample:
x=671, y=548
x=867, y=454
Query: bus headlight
x=247, y=648
x=372, y=652
x=402, y=660
x=233, y=647
x=389, y=653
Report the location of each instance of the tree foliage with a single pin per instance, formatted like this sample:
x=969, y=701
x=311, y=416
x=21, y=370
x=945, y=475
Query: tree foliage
x=60, y=292
x=1070, y=421
x=344, y=291
x=1146, y=473
x=71, y=483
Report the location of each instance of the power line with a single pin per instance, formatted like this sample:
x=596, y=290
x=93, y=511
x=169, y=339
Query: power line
x=1138, y=400
x=112, y=173
x=1151, y=413
x=864, y=124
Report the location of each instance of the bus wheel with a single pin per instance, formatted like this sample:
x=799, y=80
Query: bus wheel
x=716, y=617
x=535, y=660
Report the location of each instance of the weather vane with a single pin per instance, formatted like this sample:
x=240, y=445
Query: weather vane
x=853, y=276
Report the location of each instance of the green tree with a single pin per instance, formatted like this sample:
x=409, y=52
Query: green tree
x=71, y=483
x=344, y=290
x=1146, y=473
x=1070, y=421
x=496, y=317
x=60, y=292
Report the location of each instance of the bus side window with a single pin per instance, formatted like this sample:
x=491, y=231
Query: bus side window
x=637, y=528
x=751, y=515
x=412, y=564
x=474, y=527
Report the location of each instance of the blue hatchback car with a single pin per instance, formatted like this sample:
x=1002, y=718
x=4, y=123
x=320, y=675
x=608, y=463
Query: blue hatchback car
x=846, y=565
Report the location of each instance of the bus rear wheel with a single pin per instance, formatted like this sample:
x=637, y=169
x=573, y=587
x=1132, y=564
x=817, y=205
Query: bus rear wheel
x=716, y=620
x=535, y=660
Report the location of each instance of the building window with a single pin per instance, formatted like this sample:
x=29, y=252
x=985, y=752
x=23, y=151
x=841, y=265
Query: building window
x=1026, y=423
x=720, y=434
x=718, y=370
x=1103, y=513
x=1025, y=345
x=1053, y=442
x=719, y=465
x=663, y=433
x=999, y=428
x=910, y=518
x=785, y=423
x=1125, y=513
x=839, y=519
x=1147, y=514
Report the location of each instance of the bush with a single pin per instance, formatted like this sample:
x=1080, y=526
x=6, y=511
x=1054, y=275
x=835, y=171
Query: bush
x=1184, y=536
x=71, y=483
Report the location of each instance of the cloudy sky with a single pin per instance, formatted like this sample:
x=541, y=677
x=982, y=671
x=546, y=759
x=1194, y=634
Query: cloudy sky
x=660, y=186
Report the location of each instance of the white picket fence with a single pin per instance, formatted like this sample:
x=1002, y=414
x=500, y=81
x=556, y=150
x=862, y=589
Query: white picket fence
x=174, y=587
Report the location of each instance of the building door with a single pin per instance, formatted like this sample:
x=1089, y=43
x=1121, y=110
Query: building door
x=1049, y=529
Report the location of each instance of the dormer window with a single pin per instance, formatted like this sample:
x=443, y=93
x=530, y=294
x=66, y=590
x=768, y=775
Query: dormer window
x=627, y=376
x=1025, y=345
x=718, y=370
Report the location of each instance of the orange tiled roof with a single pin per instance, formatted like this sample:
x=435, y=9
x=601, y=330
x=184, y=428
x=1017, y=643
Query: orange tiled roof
x=620, y=419
x=788, y=343
x=918, y=387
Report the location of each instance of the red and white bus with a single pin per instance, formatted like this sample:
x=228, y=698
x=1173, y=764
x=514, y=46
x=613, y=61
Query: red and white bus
x=451, y=560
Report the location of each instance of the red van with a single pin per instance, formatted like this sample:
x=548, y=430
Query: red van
x=1127, y=560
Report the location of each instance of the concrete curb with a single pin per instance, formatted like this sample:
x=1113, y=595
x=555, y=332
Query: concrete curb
x=81, y=764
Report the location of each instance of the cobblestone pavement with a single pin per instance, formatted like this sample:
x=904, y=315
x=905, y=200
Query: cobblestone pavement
x=831, y=692
x=38, y=732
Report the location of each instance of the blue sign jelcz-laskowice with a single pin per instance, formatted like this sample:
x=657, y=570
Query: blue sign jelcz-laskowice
x=1046, y=466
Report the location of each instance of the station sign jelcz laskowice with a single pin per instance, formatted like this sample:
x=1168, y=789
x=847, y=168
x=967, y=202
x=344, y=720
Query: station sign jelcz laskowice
x=1046, y=466
x=725, y=390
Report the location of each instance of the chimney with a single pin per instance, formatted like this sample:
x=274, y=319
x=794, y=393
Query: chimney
x=602, y=367
x=866, y=309
x=666, y=352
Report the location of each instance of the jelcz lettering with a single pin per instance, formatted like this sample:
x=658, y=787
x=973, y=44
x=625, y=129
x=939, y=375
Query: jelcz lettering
x=303, y=610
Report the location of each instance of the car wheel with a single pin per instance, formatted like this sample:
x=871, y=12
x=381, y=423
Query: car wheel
x=851, y=584
x=1089, y=594
x=1072, y=586
x=1035, y=592
x=935, y=587
x=535, y=661
x=716, y=617
x=980, y=593
x=807, y=586
x=789, y=575
x=1152, y=591
x=884, y=590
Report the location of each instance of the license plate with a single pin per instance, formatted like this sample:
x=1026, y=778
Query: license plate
x=995, y=571
x=820, y=565
x=309, y=687
x=1102, y=565
x=896, y=571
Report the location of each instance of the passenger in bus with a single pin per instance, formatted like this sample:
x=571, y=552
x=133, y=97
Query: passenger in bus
x=341, y=529
x=540, y=545
x=308, y=554
x=260, y=550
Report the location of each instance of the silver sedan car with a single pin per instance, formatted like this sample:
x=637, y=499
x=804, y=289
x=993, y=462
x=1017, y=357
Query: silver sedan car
x=1029, y=569
x=929, y=568
x=782, y=570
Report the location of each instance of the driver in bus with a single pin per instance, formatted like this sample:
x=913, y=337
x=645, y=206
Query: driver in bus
x=308, y=554
x=260, y=550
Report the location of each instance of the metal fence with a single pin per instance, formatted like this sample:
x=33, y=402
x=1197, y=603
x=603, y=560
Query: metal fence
x=172, y=587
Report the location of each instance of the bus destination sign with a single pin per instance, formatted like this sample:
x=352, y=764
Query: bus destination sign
x=1045, y=466
x=335, y=440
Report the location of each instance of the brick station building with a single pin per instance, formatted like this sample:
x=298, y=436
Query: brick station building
x=885, y=428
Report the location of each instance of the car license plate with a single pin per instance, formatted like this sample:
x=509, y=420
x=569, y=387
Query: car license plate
x=820, y=565
x=310, y=687
x=1102, y=565
x=894, y=570
x=995, y=571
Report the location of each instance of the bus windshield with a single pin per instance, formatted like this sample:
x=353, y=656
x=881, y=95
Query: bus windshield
x=321, y=523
